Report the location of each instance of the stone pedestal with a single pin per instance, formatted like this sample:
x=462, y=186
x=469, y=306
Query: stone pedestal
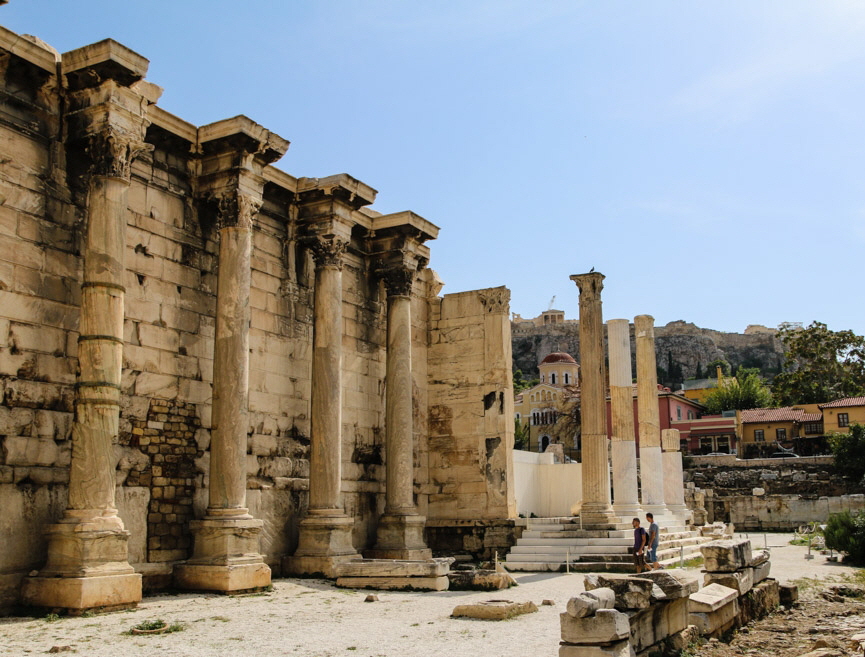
x=325, y=543
x=651, y=464
x=596, y=512
x=400, y=537
x=626, y=502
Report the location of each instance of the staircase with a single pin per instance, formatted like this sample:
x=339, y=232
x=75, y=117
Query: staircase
x=558, y=544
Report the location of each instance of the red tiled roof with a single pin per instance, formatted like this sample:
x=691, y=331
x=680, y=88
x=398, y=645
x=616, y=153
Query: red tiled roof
x=844, y=403
x=812, y=417
x=558, y=357
x=786, y=414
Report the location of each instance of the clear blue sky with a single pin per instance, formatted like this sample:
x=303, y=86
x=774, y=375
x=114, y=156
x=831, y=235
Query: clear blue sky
x=706, y=156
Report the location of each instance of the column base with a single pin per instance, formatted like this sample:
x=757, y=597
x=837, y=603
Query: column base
x=87, y=567
x=325, y=542
x=598, y=516
x=225, y=558
x=627, y=512
x=400, y=537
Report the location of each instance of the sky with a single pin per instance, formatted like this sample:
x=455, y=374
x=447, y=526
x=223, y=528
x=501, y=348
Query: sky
x=708, y=158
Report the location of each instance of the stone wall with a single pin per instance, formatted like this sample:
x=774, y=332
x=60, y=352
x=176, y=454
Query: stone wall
x=460, y=344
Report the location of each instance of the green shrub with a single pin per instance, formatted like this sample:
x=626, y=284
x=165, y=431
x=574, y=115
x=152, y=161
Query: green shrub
x=846, y=533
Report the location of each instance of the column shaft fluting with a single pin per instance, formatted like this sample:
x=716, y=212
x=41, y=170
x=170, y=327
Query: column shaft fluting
x=651, y=466
x=227, y=493
x=398, y=408
x=596, y=508
x=674, y=485
x=623, y=447
x=325, y=459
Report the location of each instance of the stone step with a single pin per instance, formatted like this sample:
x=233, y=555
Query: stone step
x=570, y=549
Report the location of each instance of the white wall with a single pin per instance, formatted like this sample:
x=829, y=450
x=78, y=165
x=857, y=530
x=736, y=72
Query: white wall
x=546, y=488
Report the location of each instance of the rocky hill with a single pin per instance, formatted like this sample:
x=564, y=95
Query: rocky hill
x=683, y=349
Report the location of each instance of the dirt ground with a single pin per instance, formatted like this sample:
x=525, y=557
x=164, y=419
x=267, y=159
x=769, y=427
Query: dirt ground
x=303, y=617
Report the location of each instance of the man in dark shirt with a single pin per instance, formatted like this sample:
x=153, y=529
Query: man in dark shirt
x=639, y=545
x=653, y=541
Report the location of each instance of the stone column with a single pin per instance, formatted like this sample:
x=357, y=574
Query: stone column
x=400, y=529
x=226, y=555
x=674, y=484
x=651, y=466
x=87, y=565
x=626, y=502
x=325, y=534
x=596, y=510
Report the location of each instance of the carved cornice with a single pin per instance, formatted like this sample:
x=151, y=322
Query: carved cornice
x=398, y=281
x=236, y=209
x=496, y=300
x=590, y=285
x=111, y=152
x=327, y=251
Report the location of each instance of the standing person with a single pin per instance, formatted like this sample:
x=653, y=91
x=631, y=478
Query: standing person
x=653, y=541
x=640, y=538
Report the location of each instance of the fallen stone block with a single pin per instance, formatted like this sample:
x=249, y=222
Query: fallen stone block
x=714, y=623
x=395, y=583
x=606, y=626
x=479, y=580
x=494, y=610
x=711, y=598
x=682, y=640
x=824, y=652
x=726, y=556
x=759, y=558
x=675, y=583
x=588, y=602
x=788, y=594
x=394, y=568
x=657, y=623
x=741, y=580
x=618, y=649
x=761, y=572
x=759, y=602
x=631, y=592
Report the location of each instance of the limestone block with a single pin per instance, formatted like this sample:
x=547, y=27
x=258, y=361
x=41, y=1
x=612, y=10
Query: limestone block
x=759, y=558
x=741, y=580
x=713, y=623
x=675, y=583
x=761, y=572
x=711, y=598
x=480, y=580
x=395, y=583
x=762, y=600
x=789, y=594
x=588, y=602
x=657, y=623
x=606, y=626
x=631, y=592
x=132, y=503
x=726, y=555
x=394, y=568
x=618, y=649
x=494, y=609
x=23, y=450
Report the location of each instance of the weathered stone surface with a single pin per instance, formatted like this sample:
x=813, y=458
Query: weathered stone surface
x=588, y=602
x=494, y=609
x=759, y=602
x=631, y=592
x=395, y=583
x=761, y=572
x=604, y=627
x=657, y=623
x=741, y=580
x=726, y=556
x=675, y=583
x=393, y=568
x=618, y=649
x=711, y=598
x=758, y=558
x=788, y=594
x=715, y=623
x=479, y=580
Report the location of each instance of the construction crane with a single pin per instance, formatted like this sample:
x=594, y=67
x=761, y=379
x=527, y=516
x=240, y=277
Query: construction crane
x=552, y=301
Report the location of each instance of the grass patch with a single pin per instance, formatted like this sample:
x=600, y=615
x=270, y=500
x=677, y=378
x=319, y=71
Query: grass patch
x=157, y=626
x=52, y=618
x=808, y=584
x=693, y=562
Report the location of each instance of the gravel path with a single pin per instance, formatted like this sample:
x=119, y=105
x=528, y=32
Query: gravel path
x=304, y=617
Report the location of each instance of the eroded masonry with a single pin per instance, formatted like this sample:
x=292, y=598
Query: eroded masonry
x=213, y=372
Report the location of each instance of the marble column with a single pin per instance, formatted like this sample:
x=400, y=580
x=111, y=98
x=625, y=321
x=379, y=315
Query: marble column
x=226, y=554
x=596, y=509
x=326, y=533
x=626, y=502
x=400, y=529
x=651, y=466
x=674, y=481
x=87, y=563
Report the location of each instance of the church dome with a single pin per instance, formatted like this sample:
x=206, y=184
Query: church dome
x=558, y=357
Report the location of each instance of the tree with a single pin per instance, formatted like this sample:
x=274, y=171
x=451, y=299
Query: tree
x=849, y=452
x=745, y=391
x=521, y=383
x=521, y=434
x=846, y=533
x=712, y=368
x=820, y=365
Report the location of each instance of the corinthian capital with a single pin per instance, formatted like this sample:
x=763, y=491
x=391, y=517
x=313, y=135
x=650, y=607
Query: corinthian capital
x=496, y=300
x=112, y=151
x=236, y=209
x=590, y=285
x=328, y=251
x=398, y=280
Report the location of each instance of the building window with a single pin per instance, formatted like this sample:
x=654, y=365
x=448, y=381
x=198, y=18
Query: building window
x=567, y=378
x=536, y=418
x=780, y=434
x=843, y=420
x=690, y=415
x=544, y=443
x=759, y=437
x=543, y=377
x=553, y=378
x=813, y=427
x=678, y=412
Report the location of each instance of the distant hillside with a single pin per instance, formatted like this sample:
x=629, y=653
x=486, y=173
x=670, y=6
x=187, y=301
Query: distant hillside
x=680, y=347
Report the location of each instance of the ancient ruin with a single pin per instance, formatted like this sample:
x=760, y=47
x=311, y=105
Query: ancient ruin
x=213, y=372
